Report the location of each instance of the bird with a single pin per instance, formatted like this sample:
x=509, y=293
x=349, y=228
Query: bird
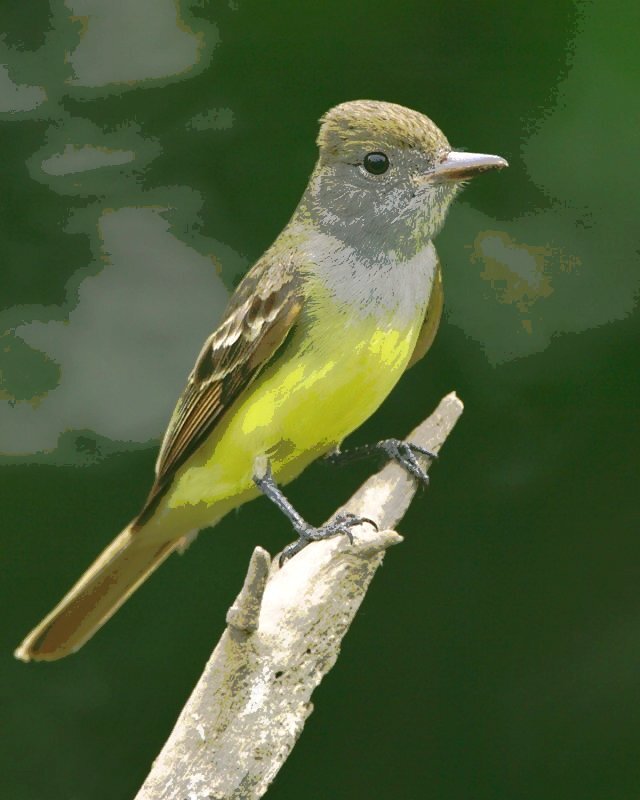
x=313, y=339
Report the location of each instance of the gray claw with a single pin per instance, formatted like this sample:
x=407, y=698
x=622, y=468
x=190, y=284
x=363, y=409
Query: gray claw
x=404, y=454
x=341, y=524
x=419, y=449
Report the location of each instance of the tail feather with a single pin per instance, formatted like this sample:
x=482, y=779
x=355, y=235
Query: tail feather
x=99, y=593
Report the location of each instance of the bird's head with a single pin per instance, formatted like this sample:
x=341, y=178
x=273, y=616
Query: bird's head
x=386, y=175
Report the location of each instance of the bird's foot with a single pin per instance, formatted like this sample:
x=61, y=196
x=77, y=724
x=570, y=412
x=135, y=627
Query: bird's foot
x=342, y=524
x=404, y=453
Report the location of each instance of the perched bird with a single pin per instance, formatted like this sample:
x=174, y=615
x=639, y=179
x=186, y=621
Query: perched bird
x=312, y=341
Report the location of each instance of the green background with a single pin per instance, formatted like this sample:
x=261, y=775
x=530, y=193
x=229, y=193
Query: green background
x=148, y=155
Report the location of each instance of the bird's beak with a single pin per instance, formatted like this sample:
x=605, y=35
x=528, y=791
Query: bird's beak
x=458, y=166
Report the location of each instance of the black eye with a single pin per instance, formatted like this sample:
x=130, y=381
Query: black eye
x=376, y=163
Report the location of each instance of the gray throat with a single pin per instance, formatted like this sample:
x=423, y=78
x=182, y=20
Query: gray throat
x=371, y=281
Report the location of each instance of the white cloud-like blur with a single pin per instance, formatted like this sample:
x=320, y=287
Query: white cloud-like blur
x=126, y=348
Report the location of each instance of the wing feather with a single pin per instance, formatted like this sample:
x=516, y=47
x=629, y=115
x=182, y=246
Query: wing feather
x=431, y=320
x=258, y=319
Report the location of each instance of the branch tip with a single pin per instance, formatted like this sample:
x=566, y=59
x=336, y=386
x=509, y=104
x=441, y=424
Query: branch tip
x=379, y=541
x=244, y=614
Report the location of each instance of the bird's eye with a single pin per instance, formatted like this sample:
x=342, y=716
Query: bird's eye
x=376, y=163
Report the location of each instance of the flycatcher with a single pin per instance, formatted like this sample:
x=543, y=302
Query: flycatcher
x=313, y=339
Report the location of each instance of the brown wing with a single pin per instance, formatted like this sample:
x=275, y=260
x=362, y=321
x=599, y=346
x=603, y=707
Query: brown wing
x=431, y=318
x=259, y=316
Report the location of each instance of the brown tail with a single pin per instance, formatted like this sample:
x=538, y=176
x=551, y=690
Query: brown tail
x=99, y=593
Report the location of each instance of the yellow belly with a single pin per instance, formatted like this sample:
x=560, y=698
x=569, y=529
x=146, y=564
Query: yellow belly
x=325, y=384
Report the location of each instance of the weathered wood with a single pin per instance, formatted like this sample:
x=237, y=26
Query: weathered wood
x=284, y=633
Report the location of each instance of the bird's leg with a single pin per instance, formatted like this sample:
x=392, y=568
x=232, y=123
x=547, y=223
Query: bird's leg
x=342, y=523
x=404, y=453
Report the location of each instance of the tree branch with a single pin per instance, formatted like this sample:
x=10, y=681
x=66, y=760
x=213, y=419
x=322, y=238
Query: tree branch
x=283, y=635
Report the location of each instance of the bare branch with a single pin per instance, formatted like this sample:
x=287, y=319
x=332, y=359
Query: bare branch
x=284, y=632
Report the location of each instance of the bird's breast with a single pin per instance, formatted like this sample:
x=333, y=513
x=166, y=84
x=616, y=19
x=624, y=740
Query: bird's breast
x=347, y=352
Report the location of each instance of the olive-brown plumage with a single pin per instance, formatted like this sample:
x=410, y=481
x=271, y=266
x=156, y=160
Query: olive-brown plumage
x=312, y=341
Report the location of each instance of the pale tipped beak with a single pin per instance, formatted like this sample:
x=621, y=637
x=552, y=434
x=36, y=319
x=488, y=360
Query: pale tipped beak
x=458, y=166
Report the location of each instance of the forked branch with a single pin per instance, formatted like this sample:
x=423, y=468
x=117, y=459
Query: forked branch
x=283, y=635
